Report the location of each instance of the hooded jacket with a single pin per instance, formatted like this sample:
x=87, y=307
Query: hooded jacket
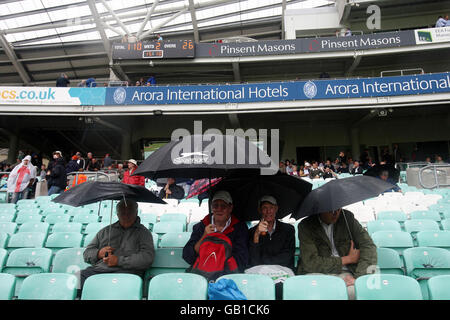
x=20, y=176
x=58, y=175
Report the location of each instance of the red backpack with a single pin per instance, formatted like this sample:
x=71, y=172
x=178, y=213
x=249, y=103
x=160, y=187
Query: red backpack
x=214, y=258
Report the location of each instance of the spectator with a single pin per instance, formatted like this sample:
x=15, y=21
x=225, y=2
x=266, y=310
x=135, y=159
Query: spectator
x=282, y=167
x=315, y=172
x=159, y=37
x=386, y=157
x=328, y=164
x=350, y=164
x=171, y=190
x=288, y=167
x=93, y=165
x=128, y=179
x=342, y=158
x=91, y=83
x=151, y=81
x=357, y=169
x=343, y=168
x=384, y=175
x=63, y=80
x=131, y=249
x=294, y=171
x=57, y=181
x=43, y=172
x=72, y=165
x=107, y=162
x=21, y=179
x=138, y=83
x=307, y=168
x=80, y=161
x=120, y=171
x=328, y=173
x=86, y=162
x=442, y=21
x=301, y=172
x=438, y=159
x=364, y=158
x=56, y=155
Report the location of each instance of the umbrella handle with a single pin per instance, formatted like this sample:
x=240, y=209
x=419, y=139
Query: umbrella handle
x=348, y=228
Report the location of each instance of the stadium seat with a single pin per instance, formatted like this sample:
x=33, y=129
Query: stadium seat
x=191, y=225
x=423, y=263
x=397, y=240
x=51, y=208
x=94, y=227
x=3, y=257
x=85, y=218
x=8, y=227
x=314, y=287
x=4, y=239
x=167, y=260
x=8, y=208
x=61, y=240
x=57, y=217
x=35, y=227
x=178, y=286
x=49, y=286
x=26, y=217
x=383, y=225
x=69, y=260
x=7, y=286
x=29, y=210
x=26, y=240
x=389, y=261
x=438, y=287
x=168, y=226
x=253, y=286
x=174, y=239
x=387, y=287
x=67, y=227
x=445, y=224
x=392, y=215
x=414, y=226
x=7, y=217
x=173, y=217
x=112, y=286
x=74, y=211
x=429, y=215
x=148, y=220
x=440, y=239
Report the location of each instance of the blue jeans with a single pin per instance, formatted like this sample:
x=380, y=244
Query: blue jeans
x=54, y=189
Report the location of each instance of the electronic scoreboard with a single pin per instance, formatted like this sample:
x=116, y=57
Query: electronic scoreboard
x=153, y=50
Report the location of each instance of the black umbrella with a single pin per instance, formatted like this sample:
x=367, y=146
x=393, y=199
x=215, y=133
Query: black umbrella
x=205, y=156
x=246, y=191
x=339, y=193
x=375, y=171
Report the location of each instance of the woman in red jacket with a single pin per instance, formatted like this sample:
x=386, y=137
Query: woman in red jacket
x=128, y=179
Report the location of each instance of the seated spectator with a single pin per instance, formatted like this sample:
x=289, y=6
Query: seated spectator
x=343, y=168
x=151, y=81
x=120, y=171
x=131, y=249
x=442, y=21
x=384, y=175
x=326, y=247
x=328, y=164
x=91, y=83
x=138, y=83
x=315, y=172
x=288, y=166
x=72, y=165
x=171, y=190
x=63, y=80
x=306, y=168
x=222, y=221
x=282, y=167
x=93, y=165
x=357, y=169
x=328, y=173
x=294, y=171
x=127, y=175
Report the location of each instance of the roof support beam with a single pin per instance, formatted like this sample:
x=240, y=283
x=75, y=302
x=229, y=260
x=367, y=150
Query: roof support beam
x=236, y=72
x=9, y=51
x=147, y=17
x=172, y=17
x=194, y=21
x=110, y=10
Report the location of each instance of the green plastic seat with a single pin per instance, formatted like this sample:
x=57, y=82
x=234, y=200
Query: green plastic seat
x=155, y=240
x=3, y=257
x=167, y=260
x=7, y=286
x=392, y=215
x=69, y=260
x=174, y=217
x=26, y=240
x=35, y=227
x=8, y=208
x=425, y=215
x=7, y=217
x=397, y=240
x=49, y=286
x=29, y=210
x=67, y=227
x=4, y=239
x=383, y=225
x=148, y=220
x=314, y=287
x=387, y=287
x=112, y=286
x=85, y=218
x=74, y=211
x=416, y=225
x=389, y=261
x=190, y=226
x=51, y=208
x=174, y=239
x=445, y=224
x=94, y=227
x=253, y=286
x=423, y=263
x=438, y=287
x=57, y=217
x=61, y=240
x=440, y=239
x=8, y=227
x=88, y=238
x=23, y=217
x=178, y=286
x=168, y=226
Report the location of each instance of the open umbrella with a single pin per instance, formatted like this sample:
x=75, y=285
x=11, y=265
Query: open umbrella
x=246, y=191
x=375, y=171
x=201, y=185
x=205, y=156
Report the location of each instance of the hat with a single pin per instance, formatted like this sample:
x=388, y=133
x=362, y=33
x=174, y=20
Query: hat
x=133, y=162
x=27, y=158
x=307, y=164
x=269, y=199
x=223, y=195
x=59, y=152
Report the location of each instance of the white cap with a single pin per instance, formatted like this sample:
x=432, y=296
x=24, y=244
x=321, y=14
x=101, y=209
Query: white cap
x=223, y=195
x=307, y=164
x=133, y=162
x=27, y=158
x=269, y=199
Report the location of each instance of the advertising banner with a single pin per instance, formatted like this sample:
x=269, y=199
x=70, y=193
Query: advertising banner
x=432, y=35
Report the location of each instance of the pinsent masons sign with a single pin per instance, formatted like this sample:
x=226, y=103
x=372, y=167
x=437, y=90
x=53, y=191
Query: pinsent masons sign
x=281, y=91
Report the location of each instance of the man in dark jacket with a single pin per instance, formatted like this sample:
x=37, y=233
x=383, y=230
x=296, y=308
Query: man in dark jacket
x=58, y=179
x=357, y=169
x=271, y=241
x=171, y=190
x=222, y=220
x=326, y=247
x=63, y=80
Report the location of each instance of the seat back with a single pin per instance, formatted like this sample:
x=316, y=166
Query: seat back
x=168, y=226
x=85, y=218
x=112, y=286
x=42, y=227
x=414, y=226
x=59, y=240
x=7, y=217
x=439, y=239
x=4, y=239
x=178, y=286
x=8, y=227
x=7, y=286
x=387, y=287
x=181, y=217
x=174, y=239
x=438, y=287
x=67, y=227
x=69, y=260
x=314, y=287
x=428, y=215
x=167, y=260
x=383, y=225
x=389, y=261
x=392, y=215
x=49, y=286
x=397, y=240
x=94, y=227
x=253, y=286
x=26, y=240
x=23, y=217
x=57, y=217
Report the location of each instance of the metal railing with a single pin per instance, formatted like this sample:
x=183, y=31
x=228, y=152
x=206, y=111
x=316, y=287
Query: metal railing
x=402, y=71
x=435, y=168
x=92, y=176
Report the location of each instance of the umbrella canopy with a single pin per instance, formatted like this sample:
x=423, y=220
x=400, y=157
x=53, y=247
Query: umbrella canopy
x=205, y=156
x=375, y=171
x=202, y=185
x=95, y=191
x=246, y=191
x=339, y=193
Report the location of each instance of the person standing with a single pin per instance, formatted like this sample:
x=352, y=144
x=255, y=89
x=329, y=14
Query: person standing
x=63, y=80
x=20, y=179
x=57, y=177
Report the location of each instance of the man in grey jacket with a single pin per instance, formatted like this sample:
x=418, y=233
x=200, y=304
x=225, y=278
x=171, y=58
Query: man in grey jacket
x=129, y=248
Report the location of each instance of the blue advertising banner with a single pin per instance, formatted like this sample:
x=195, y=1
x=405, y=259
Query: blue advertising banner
x=281, y=91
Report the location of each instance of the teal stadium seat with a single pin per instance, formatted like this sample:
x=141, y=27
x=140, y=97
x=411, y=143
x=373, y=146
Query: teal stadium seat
x=3, y=258
x=155, y=240
x=178, y=286
x=94, y=227
x=7, y=217
x=191, y=225
x=253, y=286
x=168, y=226
x=7, y=286
x=445, y=224
x=49, y=286
x=61, y=240
x=314, y=287
x=440, y=239
x=173, y=217
x=8, y=208
x=387, y=287
x=389, y=261
x=425, y=215
x=438, y=287
x=383, y=225
x=57, y=217
x=69, y=260
x=392, y=215
x=8, y=227
x=148, y=220
x=42, y=227
x=74, y=211
x=167, y=260
x=85, y=218
x=26, y=240
x=414, y=226
x=112, y=286
x=423, y=263
x=174, y=239
x=4, y=238
x=88, y=238
x=67, y=227
x=23, y=217
x=397, y=240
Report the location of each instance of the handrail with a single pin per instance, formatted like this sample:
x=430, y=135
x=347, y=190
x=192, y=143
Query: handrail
x=401, y=71
x=89, y=173
x=435, y=168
